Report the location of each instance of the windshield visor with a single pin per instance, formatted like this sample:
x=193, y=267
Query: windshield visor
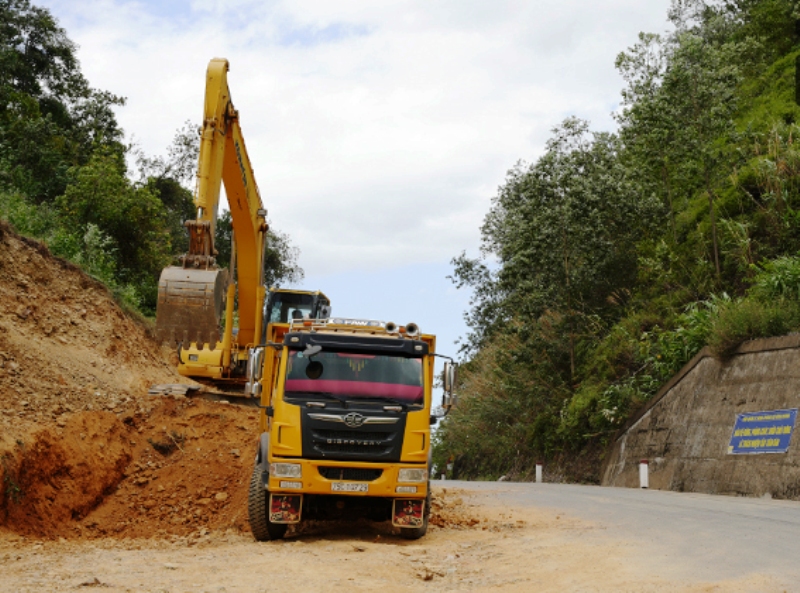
x=355, y=376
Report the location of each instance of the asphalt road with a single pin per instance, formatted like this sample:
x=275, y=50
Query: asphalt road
x=677, y=535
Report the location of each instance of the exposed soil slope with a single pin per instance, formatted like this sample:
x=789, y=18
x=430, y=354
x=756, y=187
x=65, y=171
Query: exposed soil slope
x=78, y=432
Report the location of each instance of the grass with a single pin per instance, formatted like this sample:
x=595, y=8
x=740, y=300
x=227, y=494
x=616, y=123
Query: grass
x=749, y=319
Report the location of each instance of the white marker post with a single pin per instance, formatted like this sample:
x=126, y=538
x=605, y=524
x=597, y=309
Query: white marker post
x=644, y=474
x=538, y=472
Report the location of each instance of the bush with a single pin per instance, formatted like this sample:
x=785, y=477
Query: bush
x=510, y=397
x=603, y=403
x=749, y=319
x=92, y=250
x=778, y=278
x=27, y=218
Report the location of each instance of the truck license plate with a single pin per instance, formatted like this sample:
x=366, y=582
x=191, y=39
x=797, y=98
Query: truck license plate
x=347, y=487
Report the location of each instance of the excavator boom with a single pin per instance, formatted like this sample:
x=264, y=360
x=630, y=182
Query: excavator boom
x=191, y=296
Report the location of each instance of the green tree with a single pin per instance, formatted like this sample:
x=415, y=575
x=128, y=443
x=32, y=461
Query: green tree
x=172, y=178
x=131, y=216
x=564, y=232
x=680, y=104
x=280, y=259
x=50, y=118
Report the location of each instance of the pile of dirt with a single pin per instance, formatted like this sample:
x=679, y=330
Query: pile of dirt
x=83, y=448
x=192, y=462
x=65, y=344
x=447, y=510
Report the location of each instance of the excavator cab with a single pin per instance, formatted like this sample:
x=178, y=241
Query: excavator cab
x=284, y=305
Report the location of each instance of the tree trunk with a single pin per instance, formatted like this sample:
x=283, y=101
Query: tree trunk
x=569, y=305
x=665, y=180
x=710, y=193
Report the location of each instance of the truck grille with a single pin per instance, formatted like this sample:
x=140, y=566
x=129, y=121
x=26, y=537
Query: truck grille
x=350, y=473
x=325, y=439
x=350, y=441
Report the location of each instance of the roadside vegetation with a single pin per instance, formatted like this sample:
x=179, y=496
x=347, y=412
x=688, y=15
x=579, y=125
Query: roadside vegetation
x=613, y=259
x=68, y=178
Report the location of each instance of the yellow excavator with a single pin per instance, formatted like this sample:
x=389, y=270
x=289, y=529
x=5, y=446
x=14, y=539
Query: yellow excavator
x=193, y=296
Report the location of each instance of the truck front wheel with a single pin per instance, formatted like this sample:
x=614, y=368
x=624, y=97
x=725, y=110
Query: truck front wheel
x=258, y=507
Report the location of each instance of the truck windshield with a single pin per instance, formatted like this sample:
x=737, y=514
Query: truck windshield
x=356, y=376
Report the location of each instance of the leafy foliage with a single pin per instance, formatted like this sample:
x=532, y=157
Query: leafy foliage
x=614, y=259
x=50, y=118
x=131, y=217
x=564, y=232
x=63, y=173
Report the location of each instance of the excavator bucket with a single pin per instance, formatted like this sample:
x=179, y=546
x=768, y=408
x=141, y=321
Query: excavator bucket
x=190, y=305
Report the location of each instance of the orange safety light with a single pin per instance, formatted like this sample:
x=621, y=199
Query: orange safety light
x=307, y=323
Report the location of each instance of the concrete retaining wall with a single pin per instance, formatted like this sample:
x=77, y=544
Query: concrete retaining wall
x=685, y=429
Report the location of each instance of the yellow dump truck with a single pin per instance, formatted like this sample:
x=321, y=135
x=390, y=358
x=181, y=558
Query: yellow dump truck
x=345, y=424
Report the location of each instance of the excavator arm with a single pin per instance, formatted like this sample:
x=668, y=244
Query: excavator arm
x=191, y=295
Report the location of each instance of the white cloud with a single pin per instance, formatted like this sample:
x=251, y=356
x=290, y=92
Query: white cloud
x=378, y=131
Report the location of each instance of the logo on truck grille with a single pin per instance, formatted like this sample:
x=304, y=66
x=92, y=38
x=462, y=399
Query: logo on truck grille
x=354, y=420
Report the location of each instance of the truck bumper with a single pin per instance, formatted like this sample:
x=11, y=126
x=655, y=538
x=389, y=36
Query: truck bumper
x=348, y=478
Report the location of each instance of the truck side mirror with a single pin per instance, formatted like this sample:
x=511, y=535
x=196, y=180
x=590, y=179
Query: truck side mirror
x=255, y=366
x=450, y=380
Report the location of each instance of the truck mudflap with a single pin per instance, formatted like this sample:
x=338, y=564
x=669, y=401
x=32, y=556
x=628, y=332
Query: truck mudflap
x=408, y=512
x=285, y=508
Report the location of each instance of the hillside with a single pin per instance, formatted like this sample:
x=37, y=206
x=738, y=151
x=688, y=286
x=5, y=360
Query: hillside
x=612, y=259
x=84, y=449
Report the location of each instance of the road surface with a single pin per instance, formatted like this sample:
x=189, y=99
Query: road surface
x=488, y=537
x=679, y=535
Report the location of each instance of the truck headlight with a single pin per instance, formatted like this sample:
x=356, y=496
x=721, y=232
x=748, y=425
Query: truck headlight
x=286, y=470
x=408, y=474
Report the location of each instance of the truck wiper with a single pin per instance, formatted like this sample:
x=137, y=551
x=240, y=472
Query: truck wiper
x=324, y=394
x=390, y=401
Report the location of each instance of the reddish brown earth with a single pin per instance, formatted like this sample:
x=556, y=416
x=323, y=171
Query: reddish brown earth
x=84, y=450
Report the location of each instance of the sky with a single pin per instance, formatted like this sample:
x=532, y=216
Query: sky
x=379, y=131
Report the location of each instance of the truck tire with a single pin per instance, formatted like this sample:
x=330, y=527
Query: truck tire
x=257, y=503
x=418, y=532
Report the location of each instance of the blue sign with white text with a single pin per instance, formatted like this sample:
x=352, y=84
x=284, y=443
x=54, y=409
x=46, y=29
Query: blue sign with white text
x=762, y=432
